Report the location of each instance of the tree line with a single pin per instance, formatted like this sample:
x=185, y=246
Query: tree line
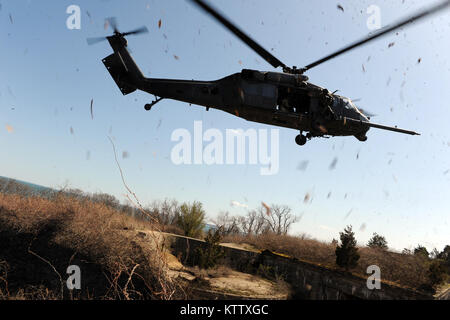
x=438, y=263
x=189, y=219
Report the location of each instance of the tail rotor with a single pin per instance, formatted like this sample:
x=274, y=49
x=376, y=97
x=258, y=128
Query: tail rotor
x=112, y=22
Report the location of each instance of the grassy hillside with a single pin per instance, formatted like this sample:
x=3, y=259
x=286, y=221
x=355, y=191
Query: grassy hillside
x=40, y=238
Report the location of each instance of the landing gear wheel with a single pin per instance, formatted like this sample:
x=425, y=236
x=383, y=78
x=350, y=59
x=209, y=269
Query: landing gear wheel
x=300, y=140
x=148, y=107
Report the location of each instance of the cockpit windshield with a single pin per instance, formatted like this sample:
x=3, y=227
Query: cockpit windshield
x=348, y=104
x=343, y=102
x=345, y=107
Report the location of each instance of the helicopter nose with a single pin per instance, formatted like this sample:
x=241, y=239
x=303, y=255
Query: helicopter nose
x=364, y=118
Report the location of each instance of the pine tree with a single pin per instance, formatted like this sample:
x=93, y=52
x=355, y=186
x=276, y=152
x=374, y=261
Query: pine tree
x=191, y=219
x=209, y=254
x=421, y=251
x=347, y=255
x=378, y=242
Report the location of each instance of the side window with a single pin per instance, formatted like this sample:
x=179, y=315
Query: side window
x=260, y=94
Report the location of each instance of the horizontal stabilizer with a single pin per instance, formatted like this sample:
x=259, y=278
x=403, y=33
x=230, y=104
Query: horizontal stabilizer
x=379, y=126
x=395, y=129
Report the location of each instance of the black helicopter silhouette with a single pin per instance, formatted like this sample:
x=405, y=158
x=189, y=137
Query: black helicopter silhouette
x=284, y=99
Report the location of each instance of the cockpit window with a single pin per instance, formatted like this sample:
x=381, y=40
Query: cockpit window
x=343, y=103
x=348, y=104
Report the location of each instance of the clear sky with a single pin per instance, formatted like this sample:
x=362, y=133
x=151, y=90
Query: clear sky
x=392, y=184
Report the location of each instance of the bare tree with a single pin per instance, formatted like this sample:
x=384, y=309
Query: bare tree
x=227, y=223
x=280, y=219
x=166, y=211
x=246, y=223
x=254, y=223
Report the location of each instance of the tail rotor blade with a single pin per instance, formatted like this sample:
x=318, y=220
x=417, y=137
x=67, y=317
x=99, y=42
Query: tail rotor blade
x=137, y=31
x=112, y=22
x=91, y=41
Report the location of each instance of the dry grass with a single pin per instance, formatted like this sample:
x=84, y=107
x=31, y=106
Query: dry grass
x=405, y=270
x=40, y=237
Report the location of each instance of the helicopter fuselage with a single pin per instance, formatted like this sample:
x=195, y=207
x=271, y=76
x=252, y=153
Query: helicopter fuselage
x=266, y=97
x=274, y=98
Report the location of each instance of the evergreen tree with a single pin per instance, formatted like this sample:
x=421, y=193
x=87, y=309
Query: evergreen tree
x=347, y=255
x=191, y=219
x=377, y=242
x=209, y=254
x=421, y=251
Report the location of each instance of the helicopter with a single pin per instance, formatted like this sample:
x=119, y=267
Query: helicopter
x=285, y=99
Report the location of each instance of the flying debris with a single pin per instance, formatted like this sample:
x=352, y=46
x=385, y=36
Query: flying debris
x=268, y=210
x=9, y=128
x=307, y=198
x=348, y=214
x=303, y=165
x=92, y=110
x=333, y=164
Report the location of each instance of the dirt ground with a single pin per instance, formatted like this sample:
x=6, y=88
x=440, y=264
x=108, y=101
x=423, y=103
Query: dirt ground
x=222, y=279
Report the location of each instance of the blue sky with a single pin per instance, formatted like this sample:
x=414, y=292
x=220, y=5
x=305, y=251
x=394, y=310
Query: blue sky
x=393, y=184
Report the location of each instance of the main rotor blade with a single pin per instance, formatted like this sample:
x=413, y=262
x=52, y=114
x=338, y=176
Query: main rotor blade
x=415, y=17
x=241, y=35
x=137, y=31
x=91, y=41
x=113, y=23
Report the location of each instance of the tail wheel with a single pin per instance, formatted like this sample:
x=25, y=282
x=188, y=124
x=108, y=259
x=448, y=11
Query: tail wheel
x=300, y=140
